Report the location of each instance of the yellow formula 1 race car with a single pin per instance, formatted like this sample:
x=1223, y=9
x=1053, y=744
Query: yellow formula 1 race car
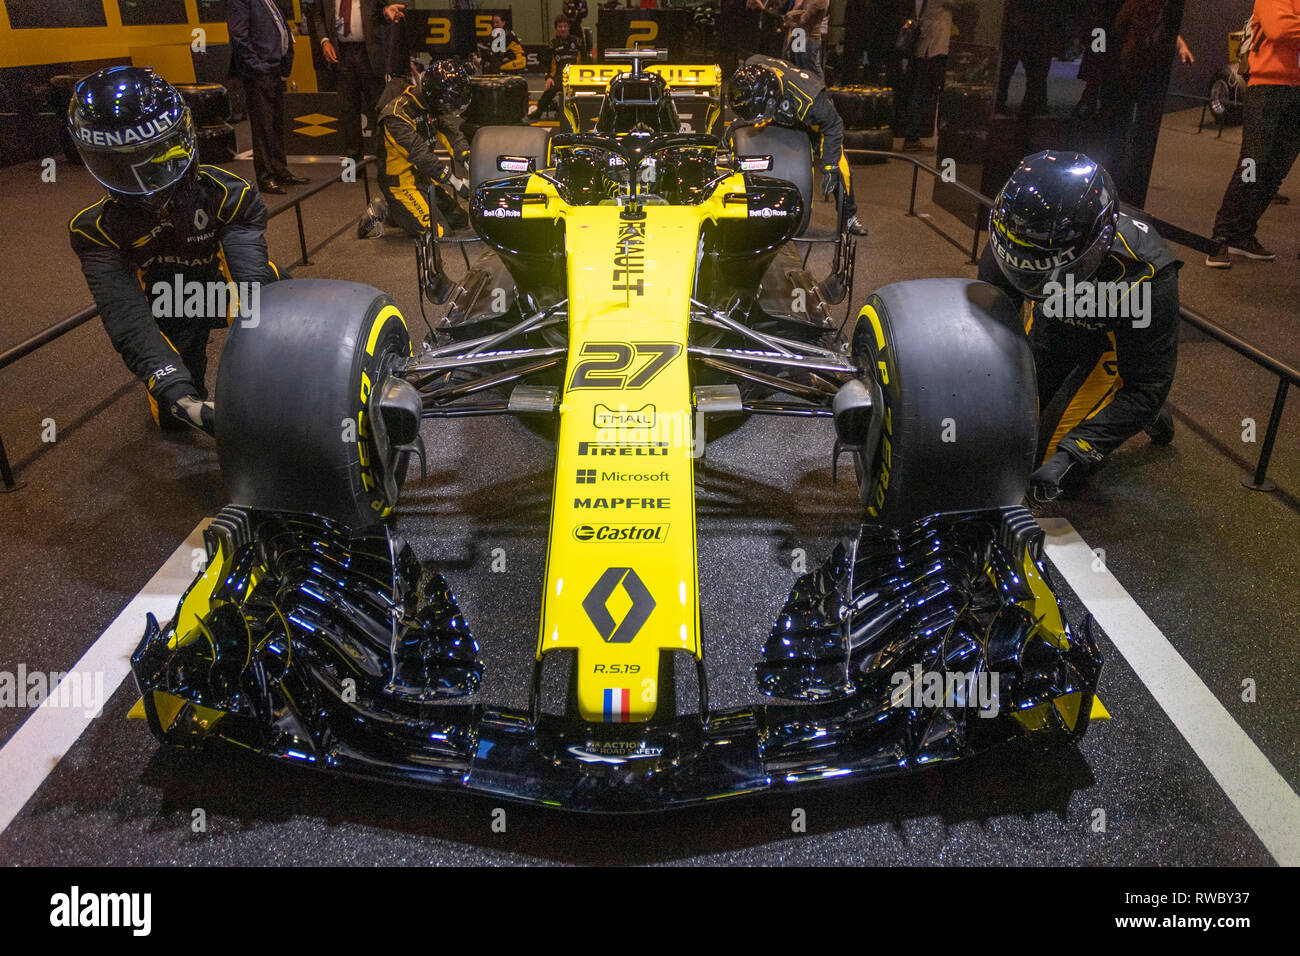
x=651, y=294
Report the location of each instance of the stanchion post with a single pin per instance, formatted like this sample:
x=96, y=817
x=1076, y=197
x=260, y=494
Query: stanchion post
x=6, y=473
x=911, y=203
x=1259, y=481
x=302, y=237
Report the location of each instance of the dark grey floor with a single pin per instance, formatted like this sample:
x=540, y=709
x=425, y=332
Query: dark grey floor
x=1214, y=565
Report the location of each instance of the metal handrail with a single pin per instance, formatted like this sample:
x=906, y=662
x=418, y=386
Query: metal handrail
x=1287, y=376
x=84, y=315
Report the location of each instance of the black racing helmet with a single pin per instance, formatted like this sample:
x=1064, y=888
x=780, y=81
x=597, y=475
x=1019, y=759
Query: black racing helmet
x=1055, y=217
x=133, y=130
x=752, y=93
x=444, y=87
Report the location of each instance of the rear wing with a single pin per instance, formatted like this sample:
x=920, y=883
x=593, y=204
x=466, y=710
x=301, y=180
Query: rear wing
x=696, y=93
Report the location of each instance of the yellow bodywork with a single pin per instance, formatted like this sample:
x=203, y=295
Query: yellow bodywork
x=621, y=584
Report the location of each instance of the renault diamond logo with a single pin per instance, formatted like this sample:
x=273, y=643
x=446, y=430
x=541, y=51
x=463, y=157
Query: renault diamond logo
x=315, y=124
x=596, y=605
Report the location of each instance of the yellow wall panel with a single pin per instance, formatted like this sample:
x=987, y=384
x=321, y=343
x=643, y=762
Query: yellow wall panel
x=173, y=61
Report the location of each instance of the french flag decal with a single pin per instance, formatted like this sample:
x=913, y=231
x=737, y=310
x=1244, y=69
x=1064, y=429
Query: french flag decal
x=618, y=702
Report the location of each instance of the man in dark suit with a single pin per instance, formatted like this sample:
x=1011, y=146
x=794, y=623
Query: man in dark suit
x=359, y=38
x=261, y=55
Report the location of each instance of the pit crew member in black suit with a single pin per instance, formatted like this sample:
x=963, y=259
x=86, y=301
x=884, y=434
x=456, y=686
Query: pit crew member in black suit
x=407, y=163
x=767, y=90
x=566, y=48
x=167, y=227
x=1104, y=318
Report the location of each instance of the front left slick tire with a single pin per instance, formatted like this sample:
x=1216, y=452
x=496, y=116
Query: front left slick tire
x=293, y=402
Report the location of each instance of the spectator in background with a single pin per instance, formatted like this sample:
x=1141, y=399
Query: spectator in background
x=1028, y=35
x=1270, y=132
x=357, y=40
x=804, y=24
x=771, y=15
x=1123, y=102
x=261, y=56
x=575, y=11
x=925, y=71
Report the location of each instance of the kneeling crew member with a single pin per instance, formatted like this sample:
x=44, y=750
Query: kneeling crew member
x=407, y=161
x=767, y=90
x=1104, y=320
x=166, y=225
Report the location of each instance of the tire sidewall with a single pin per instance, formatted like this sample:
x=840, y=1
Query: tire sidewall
x=386, y=328
x=293, y=400
x=875, y=350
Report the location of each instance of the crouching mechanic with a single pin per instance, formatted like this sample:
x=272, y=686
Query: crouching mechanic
x=408, y=125
x=1104, y=320
x=767, y=90
x=167, y=251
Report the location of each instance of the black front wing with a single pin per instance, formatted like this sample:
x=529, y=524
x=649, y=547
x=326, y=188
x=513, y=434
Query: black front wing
x=340, y=651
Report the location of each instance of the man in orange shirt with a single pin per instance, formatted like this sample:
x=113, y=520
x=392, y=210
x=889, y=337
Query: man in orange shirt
x=1270, y=134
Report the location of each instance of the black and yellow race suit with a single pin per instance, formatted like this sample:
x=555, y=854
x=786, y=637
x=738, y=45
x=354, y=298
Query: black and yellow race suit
x=564, y=51
x=408, y=163
x=511, y=60
x=1102, y=378
x=154, y=275
x=804, y=104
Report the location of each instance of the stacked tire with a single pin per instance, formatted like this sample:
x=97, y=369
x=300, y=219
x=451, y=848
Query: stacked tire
x=867, y=112
x=965, y=110
x=495, y=101
x=61, y=87
x=209, y=104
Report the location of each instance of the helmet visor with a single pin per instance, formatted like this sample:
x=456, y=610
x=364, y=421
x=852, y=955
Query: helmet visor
x=748, y=103
x=454, y=98
x=143, y=169
x=1031, y=268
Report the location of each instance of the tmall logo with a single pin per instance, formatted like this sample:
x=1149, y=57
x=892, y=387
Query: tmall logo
x=596, y=604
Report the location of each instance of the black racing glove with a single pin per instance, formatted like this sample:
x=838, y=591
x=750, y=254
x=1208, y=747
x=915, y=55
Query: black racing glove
x=445, y=177
x=194, y=411
x=830, y=182
x=1045, y=483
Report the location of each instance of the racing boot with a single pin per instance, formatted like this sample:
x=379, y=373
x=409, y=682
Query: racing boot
x=1161, y=431
x=372, y=221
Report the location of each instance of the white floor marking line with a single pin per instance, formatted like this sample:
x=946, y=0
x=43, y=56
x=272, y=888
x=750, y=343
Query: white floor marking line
x=40, y=743
x=1271, y=808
